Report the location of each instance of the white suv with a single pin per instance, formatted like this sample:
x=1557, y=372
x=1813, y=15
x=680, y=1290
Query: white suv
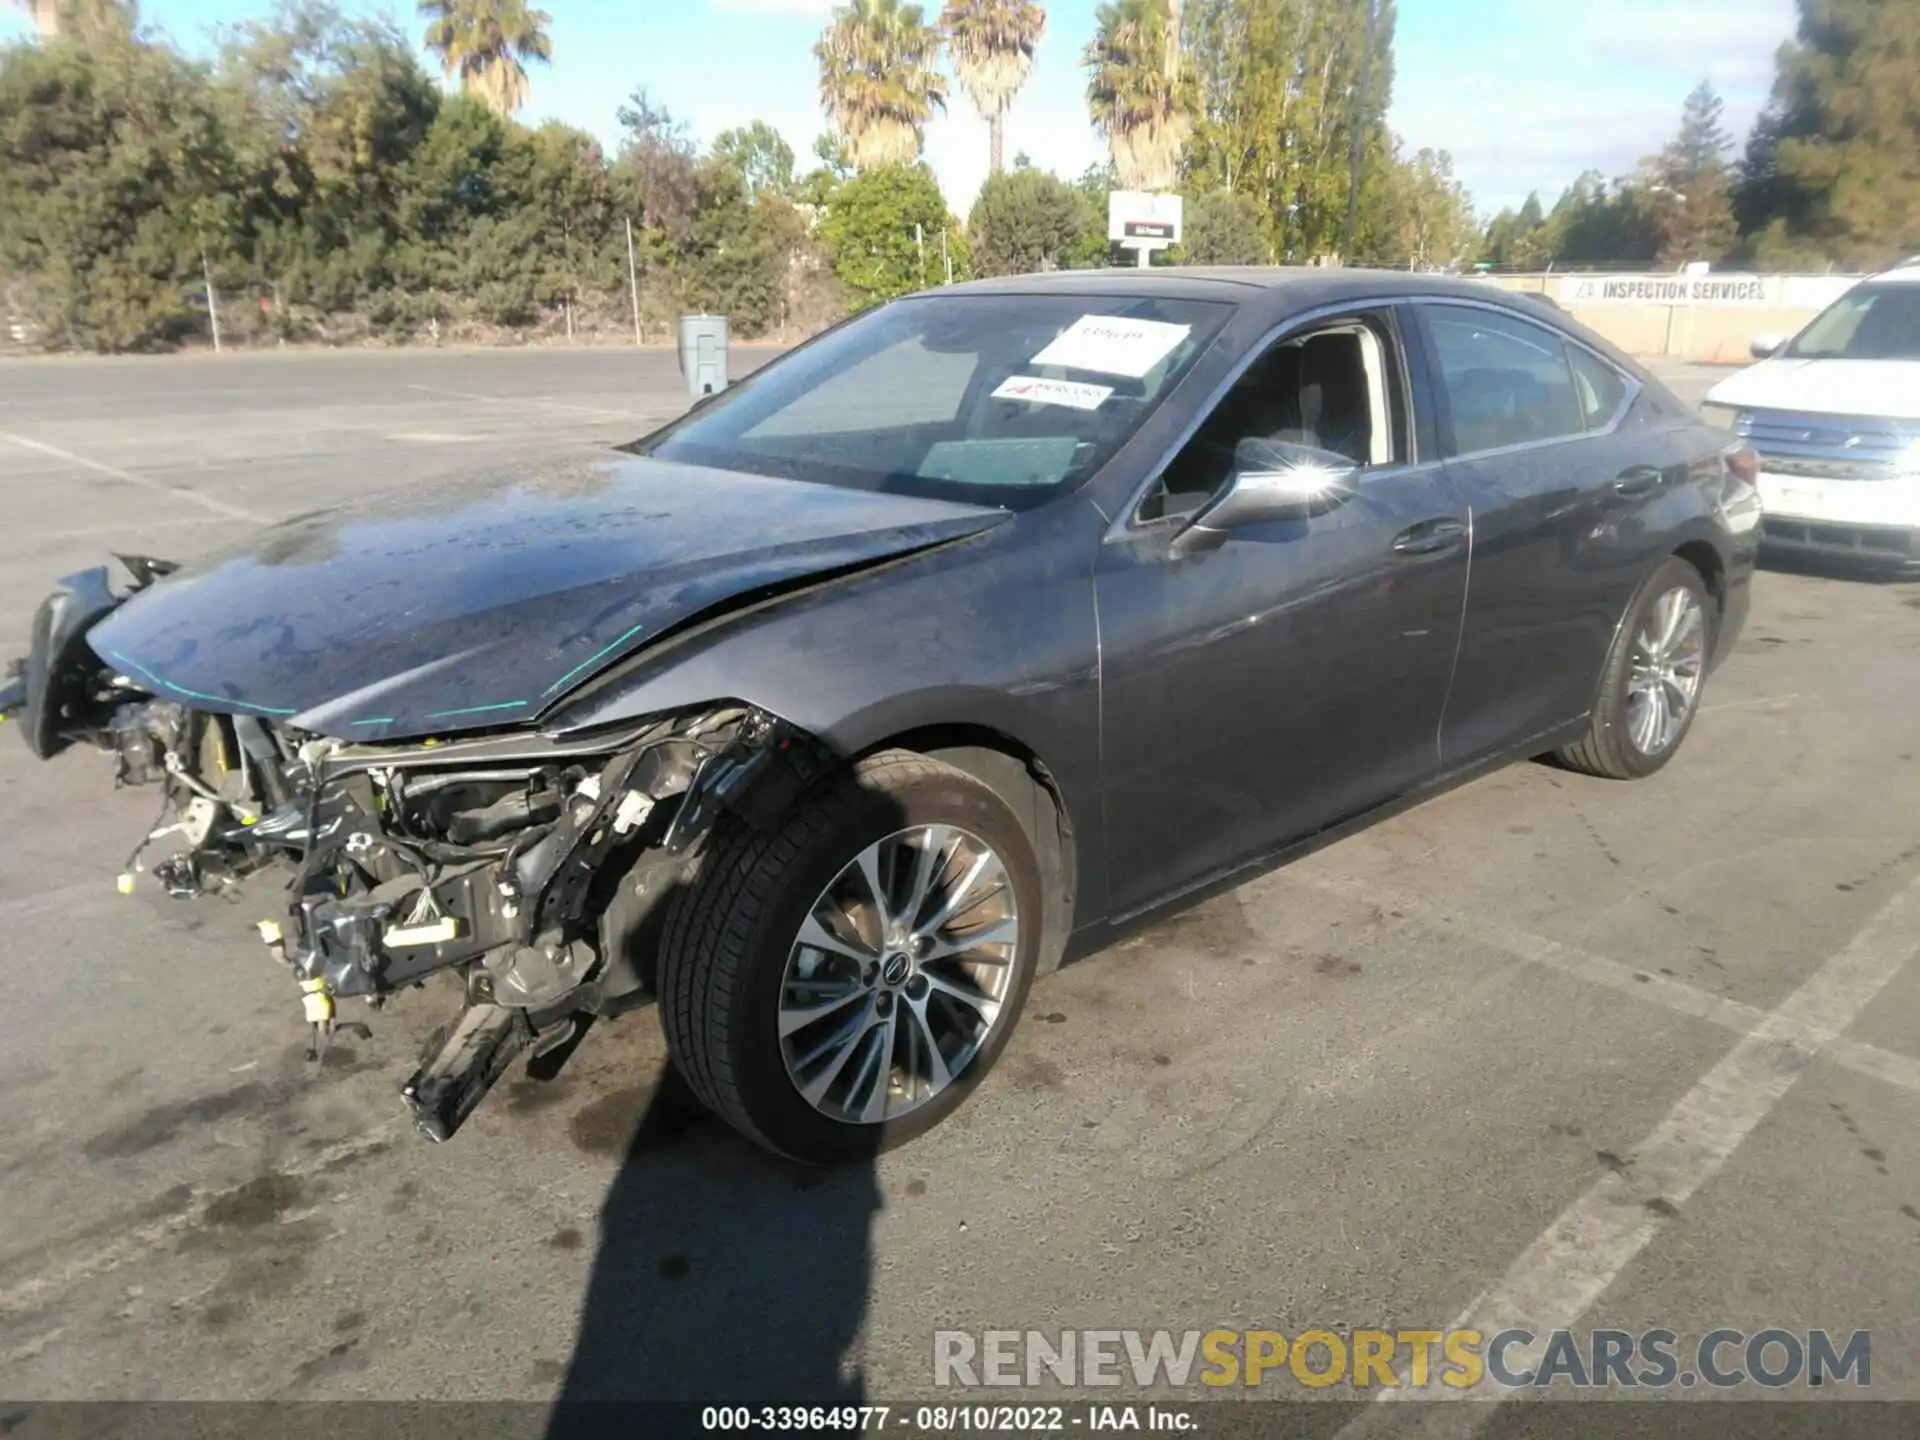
x=1835, y=416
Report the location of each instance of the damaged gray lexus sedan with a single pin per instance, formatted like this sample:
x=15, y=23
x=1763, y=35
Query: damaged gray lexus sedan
x=983, y=625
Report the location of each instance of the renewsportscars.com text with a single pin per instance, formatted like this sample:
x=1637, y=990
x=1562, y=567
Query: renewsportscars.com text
x=1413, y=1359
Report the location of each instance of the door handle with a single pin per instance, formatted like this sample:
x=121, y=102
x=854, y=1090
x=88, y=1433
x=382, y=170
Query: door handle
x=1430, y=536
x=1639, y=480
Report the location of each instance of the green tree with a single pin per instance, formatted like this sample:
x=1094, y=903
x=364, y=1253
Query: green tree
x=1594, y=223
x=1279, y=95
x=1423, y=217
x=834, y=166
x=1222, y=228
x=992, y=44
x=730, y=262
x=757, y=154
x=658, y=165
x=115, y=179
x=324, y=112
x=487, y=45
x=1520, y=239
x=1835, y=166
x=1689, y=186
x=1026, y=221
x=877, y=79
x=1139, y=90
x=870, y=229
x=314, y=166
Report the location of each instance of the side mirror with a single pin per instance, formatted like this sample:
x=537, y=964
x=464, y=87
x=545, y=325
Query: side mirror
x=1275, y=480
x=1765, y=347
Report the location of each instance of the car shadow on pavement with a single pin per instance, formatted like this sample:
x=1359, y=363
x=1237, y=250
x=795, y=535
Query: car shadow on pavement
x=724, y=1276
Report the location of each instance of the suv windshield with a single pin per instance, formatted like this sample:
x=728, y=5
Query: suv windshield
x=1869, y=322
x=1005, y=400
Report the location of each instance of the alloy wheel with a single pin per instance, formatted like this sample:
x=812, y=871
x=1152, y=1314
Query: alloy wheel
x=898, y=974
x=1669, y=659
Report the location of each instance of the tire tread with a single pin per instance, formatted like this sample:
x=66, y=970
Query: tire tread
x=710, y=929
x=1603, y=751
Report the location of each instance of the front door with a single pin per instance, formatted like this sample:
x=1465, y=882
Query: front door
x=1296, y=673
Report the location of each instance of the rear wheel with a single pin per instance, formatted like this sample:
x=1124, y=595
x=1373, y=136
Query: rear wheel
x=843, y=982
x=1650, y=687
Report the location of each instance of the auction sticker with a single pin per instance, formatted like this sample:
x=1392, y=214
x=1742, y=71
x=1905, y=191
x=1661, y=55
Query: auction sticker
x=1071, y=393
x=1113, y=345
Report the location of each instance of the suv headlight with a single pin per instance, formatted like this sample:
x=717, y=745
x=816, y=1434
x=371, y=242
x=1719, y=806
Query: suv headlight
x=1726, y=417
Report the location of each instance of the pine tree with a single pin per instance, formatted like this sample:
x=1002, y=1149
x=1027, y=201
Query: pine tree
x=1836, y=170
x=1690, y=188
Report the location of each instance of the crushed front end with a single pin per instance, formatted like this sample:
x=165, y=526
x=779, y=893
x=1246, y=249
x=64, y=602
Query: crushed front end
x=531, y=866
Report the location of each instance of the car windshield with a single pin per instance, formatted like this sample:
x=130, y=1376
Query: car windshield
x=1004, y=400
x=1869, y=322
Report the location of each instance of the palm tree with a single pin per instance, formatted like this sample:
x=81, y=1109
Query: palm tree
x=877, y=80
x=1139, y=92
x=992, y=43
x=484, y=43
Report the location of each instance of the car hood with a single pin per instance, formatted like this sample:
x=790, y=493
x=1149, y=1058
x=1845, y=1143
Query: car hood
x=1888, y=389
x=455, y=607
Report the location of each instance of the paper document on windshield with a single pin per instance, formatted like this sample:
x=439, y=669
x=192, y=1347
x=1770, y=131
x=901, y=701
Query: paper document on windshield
x=1074, y=394
x=1113, y=345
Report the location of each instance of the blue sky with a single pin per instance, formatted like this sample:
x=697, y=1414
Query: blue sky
x=1524, y=94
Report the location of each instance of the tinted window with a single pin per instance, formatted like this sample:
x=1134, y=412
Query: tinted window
x=1869, y=322
x=1507, y=381
x=1599, y=386
x=1001, y=400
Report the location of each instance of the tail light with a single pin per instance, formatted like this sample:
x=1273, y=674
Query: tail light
x=1744, y=462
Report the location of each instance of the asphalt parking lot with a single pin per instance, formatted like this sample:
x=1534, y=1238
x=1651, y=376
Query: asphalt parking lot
x=1582, y=1053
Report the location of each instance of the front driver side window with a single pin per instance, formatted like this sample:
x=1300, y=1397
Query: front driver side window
x=1328, y=389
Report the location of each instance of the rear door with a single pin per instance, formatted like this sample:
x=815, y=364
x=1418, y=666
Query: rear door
x=1559, y=481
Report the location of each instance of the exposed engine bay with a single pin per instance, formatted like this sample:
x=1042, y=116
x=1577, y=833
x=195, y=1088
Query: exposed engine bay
x=531, y=867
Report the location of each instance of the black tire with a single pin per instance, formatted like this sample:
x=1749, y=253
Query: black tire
x=1606, y=750
x=728, y=935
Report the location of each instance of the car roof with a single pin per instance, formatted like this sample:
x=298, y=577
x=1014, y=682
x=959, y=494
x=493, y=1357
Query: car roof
x=1278, y=288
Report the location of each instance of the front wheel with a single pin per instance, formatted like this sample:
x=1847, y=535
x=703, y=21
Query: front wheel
x=842, y=982
x=1650, y=687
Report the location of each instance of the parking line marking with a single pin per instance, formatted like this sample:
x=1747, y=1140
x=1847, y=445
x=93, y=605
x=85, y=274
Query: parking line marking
x=1747, y=704
x=523, y=400
x=178, y=522
x=1577, y=1257
x=221, y=507
x=1675, y=995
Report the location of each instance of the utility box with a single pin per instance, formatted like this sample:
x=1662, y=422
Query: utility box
x=703, y=353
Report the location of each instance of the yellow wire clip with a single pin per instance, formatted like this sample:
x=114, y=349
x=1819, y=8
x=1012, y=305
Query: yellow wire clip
x=315, y=1002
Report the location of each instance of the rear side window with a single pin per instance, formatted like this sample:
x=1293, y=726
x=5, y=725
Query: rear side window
x=1507, y=381
x=1601, y=388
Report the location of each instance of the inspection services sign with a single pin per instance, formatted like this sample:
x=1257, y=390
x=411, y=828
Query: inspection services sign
x=1669, y=290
